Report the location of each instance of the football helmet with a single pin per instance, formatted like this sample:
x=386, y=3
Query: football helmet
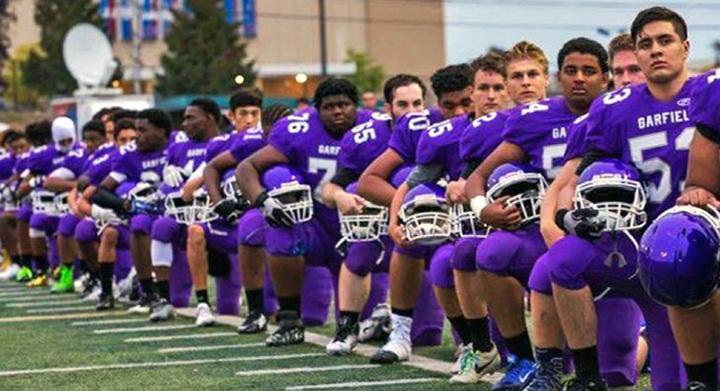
x=615, y=189
x=232, y=191
x=523, y=183
x=197, y=211
x=466, y=224
x=62, y=204
x=145, y=198
x=426, y=215
x=679, y=258
x=287, y=186
x=366, y=226
x=43, y=201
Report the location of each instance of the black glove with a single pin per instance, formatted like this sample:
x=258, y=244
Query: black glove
x=584, y=223
x=273, y=211
x=228, y=209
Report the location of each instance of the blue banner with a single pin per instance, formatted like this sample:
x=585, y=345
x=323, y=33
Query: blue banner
x=249, y=20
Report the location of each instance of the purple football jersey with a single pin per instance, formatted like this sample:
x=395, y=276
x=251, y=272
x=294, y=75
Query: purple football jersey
x=576, y=139
x=103, y=150
x=99, y=166
x=129, y=164
x=219, y=144
x=407, y=131
x=7, y=163
x=21, y=163
x=705, y=100
x=246, y=143
x=440, y=144
x=188, y=154
x=540, y=130
x=46, y=159
x=482, y=136
x=655, y=136
x=364, y=143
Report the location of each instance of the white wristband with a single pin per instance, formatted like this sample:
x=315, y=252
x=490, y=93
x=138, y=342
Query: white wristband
x=477, y=204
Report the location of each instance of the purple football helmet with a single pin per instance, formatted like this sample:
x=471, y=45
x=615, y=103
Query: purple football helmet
x=616, y=190
x=366, y=226
x=400, y=175
x=197, y=211
x=426, y=215
x=287, y=185
x=523, y=183
x=679, y=259
x=466, y=224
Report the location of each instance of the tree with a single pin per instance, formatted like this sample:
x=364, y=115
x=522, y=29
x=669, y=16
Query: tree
x=45, y=69
x=205, y=53
x=368, y=76
x=5, y=18
x=16, y=91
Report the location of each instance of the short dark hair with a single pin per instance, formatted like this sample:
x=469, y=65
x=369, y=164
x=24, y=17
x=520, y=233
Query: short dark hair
x=208, y=106
x=620, y=43
x=401, y=80
x=125, y=124
x=11, y=136
x=274, y=113
x=246, y=97
x=490, y=62
x=451, y=78
x=585, y=46
x=39, y=133
x=304, y=100
x=124, y=114
x=158, y=118
x=655, y=14
x=335, y=86
x=94, y=126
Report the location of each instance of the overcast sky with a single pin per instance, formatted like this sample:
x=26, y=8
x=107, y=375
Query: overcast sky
x=475, y=25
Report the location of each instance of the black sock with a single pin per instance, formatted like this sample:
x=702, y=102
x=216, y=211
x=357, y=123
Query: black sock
x=163, y=289
x=41, y=264
x=408, y=313
x=94, y=273
x=148, y=287
x=289, y=303
x=460, y=326
x=353, y=316
x=106, y=277
x=26, y=261
x=705, y=373
x=519, y=345
x=16, y=259
x=256, y=300
x=552, y=358
x=480, y=334
x=201, y=295
x=586, y=363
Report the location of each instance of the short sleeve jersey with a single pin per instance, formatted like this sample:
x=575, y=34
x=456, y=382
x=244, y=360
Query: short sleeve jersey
x=633, y=126
x=188, y=154
x=364, y=143
x=440, y=145
x=408, y=129
x=246, y=143
x=482, y=136
x=46, y=159
x=129, y=164
x=576, y=139
x=540, y=130
x=7, y=163
x=99, y=165
x=705, y=101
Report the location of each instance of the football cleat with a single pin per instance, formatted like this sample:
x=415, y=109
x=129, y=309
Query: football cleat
x=142, y=306
x=697, y=386
x=377, y=327
x=125, y=286
x=65, y=283
x=253, y=324
x=39, y=281
x=461, y=351
x=290, y=331
x=161, y=310
x=105, y=302
x=578, y=384
x=79, y=283
x=10, y=273
x=519, y=374
x=548, y=376
x=399, y=345
x=204, y=316
x=345, y=339
x=475, y=365
x=25, y=274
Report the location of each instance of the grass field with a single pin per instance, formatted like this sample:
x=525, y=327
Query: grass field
x=56, y=342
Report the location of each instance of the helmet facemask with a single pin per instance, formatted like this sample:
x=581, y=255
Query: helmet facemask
x=466, y=224
x=620, y=201
x=296, y=200
x=525, y=190
x=427, y=219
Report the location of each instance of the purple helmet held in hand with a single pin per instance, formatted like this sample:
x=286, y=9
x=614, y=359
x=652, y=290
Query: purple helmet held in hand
x=523, y=183
x=287, y=186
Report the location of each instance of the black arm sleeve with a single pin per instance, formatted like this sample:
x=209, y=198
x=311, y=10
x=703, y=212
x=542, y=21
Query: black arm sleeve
x=709, y=133
x=107, y=199
x=470, y=167
x=344, y=177
x=428, y=173
x=589, y=158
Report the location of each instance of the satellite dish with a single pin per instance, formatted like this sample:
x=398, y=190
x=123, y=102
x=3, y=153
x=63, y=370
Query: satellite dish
x=88, y=56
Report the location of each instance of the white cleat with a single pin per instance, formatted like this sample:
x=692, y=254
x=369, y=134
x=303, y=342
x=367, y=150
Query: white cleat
x=475, y=365
x=460, y=353
x=10, y=273
x=204, y=316
x=377, y=327
x=345, y=339
x=399, y=345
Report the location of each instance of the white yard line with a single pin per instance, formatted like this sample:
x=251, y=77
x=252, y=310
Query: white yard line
x=279, y=371
x=211, y=347
x=184, y=336
x=83, y=307
x=81, y=315
x=363, y=384
x=44, y=303
x=24, y=293
x=109, y=321
x=145, y=328
x=23, y=299
x=156, y=364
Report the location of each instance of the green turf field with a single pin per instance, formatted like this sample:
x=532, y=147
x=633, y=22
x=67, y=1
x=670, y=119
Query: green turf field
x=122, y=353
